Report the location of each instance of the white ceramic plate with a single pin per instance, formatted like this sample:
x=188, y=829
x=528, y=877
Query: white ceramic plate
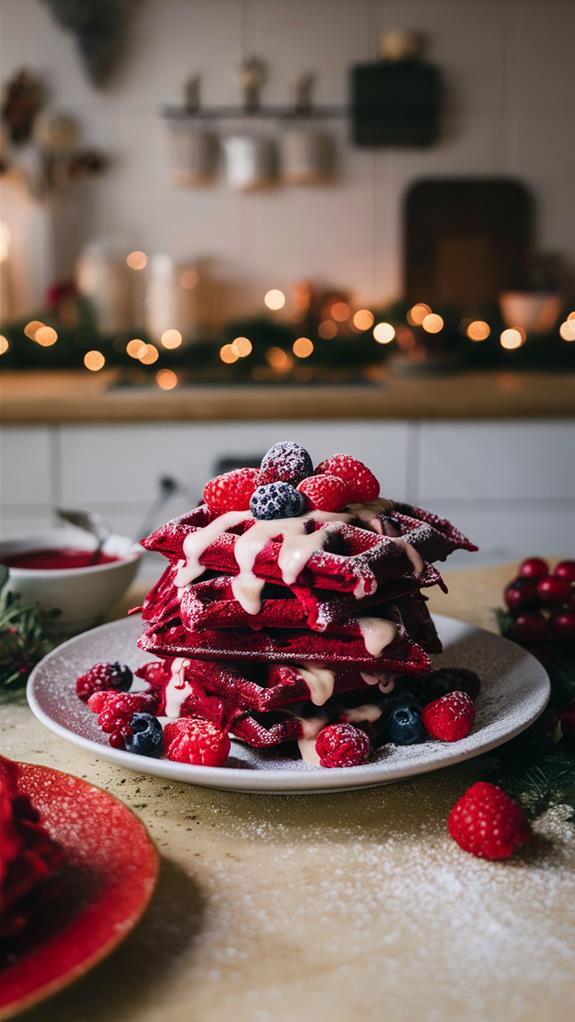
x=515, y=690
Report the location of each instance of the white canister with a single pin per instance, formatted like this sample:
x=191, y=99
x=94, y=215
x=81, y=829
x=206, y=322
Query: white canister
x=171, y=303
x=192, y=154
x=251, y=162
x=306, y=156
x=104, y=278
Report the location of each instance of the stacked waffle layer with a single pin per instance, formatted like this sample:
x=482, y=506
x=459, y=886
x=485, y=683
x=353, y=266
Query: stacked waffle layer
x=272, y=628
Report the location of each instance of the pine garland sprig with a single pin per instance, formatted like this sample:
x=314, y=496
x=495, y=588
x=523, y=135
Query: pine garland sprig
x=23, y=638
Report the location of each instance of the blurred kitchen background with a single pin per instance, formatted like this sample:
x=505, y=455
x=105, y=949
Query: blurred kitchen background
x=225, y=223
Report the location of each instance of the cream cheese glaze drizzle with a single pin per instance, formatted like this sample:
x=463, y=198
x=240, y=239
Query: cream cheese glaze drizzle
x=177, y=689
x=319, y=680
x=297, y=547
x=377, y=633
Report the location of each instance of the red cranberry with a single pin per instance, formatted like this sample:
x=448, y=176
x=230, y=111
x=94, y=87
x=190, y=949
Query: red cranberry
x=530, y=627
x=553, y=591
x=521, y=594
x=533, y=567
x=566, y=569
x=562, y=626
x=567, y=718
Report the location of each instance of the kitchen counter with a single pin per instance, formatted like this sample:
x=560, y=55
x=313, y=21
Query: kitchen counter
x=82, y=397
x=339, y=907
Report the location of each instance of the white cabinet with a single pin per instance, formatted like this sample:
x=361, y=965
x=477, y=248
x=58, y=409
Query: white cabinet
x=510, y=485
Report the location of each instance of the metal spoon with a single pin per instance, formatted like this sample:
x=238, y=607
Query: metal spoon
x=88, y=521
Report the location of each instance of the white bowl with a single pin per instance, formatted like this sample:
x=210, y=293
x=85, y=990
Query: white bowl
x=82, y=595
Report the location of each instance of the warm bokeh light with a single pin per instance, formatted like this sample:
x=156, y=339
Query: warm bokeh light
x=383, y=333
x=242, y=347
x=4, y=344
x=417, y=313
x=150, y=355
x=327, y=329
x=303, y=347
x=279, y=359
x=478, y=330
x=432, y=323
x=166, y=379
x=228, y=355
x=340, y=311
x=274, y=299
x=567, y=330
x=136, y=348
x=46, y=336
x=171, y=339
x=94, y=361
x=189, y=279
x=137, y=260
x=31, y=328
x=363, y=319
x=571, y=316
x=510, y=339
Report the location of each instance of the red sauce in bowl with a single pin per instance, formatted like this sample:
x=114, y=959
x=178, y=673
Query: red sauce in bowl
x=57, y=559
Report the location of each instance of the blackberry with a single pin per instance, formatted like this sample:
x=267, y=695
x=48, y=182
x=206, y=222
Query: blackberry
x=451, y=679
x=286, y=462
x=277, y=500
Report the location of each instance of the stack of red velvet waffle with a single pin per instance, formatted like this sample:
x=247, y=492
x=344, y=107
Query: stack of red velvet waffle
x=271, y=625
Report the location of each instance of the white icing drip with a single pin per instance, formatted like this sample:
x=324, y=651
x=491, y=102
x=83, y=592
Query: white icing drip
x=377, y=633
x=308, y=751
x=311, y=726
x=198, y=542
x=386, y=682
x=177, y=689
x=320, y=682
x=369, y=713
x=296, y=549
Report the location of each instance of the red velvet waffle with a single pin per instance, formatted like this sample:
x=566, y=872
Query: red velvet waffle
x=355, y=559
x=263, y=706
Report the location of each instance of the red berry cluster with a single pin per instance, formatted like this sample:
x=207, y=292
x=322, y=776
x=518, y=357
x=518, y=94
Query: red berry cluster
x=116, y=709
x=542, y=602
x=336, y=482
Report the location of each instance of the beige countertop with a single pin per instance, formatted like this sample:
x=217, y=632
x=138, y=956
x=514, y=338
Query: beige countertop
x=71, y=396
x=337, y=907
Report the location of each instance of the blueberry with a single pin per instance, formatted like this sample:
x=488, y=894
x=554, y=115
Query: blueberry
x=276, y=500
x=451, y=679
x=403, y=726
x=146, y=735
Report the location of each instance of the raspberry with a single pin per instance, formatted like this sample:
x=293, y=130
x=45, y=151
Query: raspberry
x=325, y=492
x=342, y=745
x=116, y=709
x=450, y=717
x=286, y=462
x=103, y=677
x=231, y=491
x=194, y=740
x=361, y=482
x=488, y=823
x=276, y=500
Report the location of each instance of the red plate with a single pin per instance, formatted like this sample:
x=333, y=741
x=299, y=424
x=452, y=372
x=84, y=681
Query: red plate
x=110, y=874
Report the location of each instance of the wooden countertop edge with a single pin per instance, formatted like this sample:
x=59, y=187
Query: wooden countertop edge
x=73, y=398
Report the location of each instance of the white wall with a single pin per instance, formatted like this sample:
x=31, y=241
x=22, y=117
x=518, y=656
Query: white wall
x=510, y=78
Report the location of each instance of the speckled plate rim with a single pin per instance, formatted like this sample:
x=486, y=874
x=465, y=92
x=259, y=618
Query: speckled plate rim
x=527, y=680
x=69, y=976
